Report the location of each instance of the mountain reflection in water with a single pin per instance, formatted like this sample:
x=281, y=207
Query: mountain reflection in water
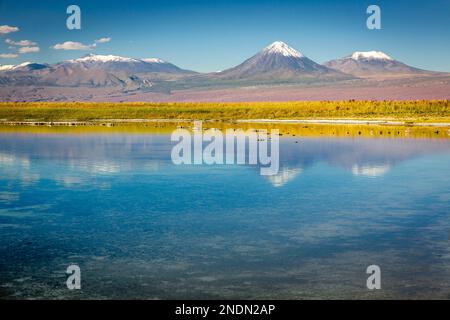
x=140, y=227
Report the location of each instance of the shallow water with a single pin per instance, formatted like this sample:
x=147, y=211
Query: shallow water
x=140, y=227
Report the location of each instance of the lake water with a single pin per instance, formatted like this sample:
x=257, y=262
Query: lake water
x=140, y=227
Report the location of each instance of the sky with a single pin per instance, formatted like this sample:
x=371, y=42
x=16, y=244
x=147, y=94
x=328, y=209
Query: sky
x=212, y=35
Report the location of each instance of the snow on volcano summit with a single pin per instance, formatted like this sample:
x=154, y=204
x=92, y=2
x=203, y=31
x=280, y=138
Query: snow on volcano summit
x=279, y=47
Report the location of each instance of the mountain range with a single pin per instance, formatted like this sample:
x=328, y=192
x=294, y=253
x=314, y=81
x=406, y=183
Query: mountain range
x=277, y=64
x=93, y=71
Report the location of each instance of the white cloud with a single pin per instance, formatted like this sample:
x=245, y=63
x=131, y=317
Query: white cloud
x=28, y=49
x=103, y=40
x=7, y=29
x=21, y=43
x=71, y=45
x=8, y=55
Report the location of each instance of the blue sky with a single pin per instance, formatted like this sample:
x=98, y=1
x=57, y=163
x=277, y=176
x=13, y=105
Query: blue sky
x=211, y=35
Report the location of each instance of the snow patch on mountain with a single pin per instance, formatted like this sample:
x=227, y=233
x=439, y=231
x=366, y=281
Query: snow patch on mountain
x=103, y=58
x=7, y=67
x=112, y=58
x=370, y=55
x=153, y=60
x=23, y=64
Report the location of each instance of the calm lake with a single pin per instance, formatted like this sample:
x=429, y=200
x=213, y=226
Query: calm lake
x=141, y=227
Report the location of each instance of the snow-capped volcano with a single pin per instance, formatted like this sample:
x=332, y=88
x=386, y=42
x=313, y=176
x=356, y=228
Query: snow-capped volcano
x=371, y=63
x=279, y=47
x=278, y=62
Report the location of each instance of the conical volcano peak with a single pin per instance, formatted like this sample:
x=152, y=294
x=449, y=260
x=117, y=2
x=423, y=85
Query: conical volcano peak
x=278, y=62
x=279, y=47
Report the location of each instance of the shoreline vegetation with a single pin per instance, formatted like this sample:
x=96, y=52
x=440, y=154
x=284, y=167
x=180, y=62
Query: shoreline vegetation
x=334, y=118
x=387, y=119
x=406, y=111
